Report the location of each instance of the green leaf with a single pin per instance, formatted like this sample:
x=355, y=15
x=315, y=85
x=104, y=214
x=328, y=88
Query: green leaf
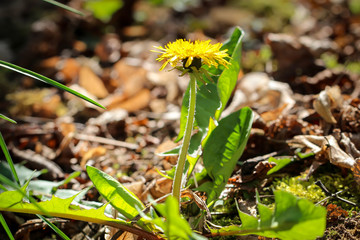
x=23, y=172
x=57, y=207
x=280, y=163
x=103, y=9
x=224, y=148
x=228, y=78
x=123, y=200
x=42, y=78
x=174, y=225
x=354, y=6
x=64, y=7
x=47, y=187
x=7, y=118
x=293, y=219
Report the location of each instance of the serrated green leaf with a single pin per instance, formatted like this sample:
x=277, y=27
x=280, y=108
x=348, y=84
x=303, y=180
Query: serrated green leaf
x=293, y=219
x=13, y=201
x=224, y=148
x=42, y=78
x=57, y=207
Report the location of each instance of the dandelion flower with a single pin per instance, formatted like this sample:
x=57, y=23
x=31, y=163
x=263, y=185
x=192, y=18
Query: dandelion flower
x=192, y=54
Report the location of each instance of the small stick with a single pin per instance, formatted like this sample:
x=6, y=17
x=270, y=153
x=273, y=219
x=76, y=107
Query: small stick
x=332, y=195
x=106, y=141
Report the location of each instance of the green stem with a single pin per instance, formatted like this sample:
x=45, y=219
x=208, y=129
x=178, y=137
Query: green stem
x=179, y=172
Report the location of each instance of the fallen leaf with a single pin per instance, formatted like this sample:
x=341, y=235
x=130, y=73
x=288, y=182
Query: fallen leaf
x=92, y=83
x=67, y=69
x=327, y=100
x=162, y=187
x=135, y=103
x=126, y=236
x=94, y=152
x=333, y=152
x=131, y=79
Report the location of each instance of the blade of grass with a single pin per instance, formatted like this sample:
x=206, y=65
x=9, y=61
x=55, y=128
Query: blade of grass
x=2, y=187
x=66, y=7
x=7, y=118
x=55, y=228
x=6, y=227
x=8, y=158
x=42, y=78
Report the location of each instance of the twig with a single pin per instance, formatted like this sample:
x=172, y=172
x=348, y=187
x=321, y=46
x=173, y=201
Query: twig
x=332, y=195
x=106, y=141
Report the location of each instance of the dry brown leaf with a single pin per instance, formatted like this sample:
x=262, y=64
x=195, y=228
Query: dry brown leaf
x=67, y=69
x=162, y=187
x=273, y=114
x=135, y=103
x=94, y=152
x=126, y=236
x=328, y=99
x=92, y=83
x=130, y=79
x=138, y=189
x=333, y=152
x=67, y=128
x=356, y=171
x=258, y=90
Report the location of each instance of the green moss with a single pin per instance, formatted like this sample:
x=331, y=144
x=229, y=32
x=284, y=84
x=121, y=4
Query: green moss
x=300, y=188
x=333, y=181
x=226, y=220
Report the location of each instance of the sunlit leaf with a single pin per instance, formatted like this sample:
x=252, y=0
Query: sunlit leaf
x=293, y=219
x=224, y=148
x=56, y=207
x=228, y=78
x=172, y=223
x=280, y=163
x=103, y=9
x=115, y=193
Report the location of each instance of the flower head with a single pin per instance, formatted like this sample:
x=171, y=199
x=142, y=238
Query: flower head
x=192, y=54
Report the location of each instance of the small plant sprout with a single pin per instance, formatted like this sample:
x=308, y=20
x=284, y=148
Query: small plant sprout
x=190, y=57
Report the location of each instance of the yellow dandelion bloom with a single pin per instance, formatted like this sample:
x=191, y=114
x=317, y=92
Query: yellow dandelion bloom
x=192, y=54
